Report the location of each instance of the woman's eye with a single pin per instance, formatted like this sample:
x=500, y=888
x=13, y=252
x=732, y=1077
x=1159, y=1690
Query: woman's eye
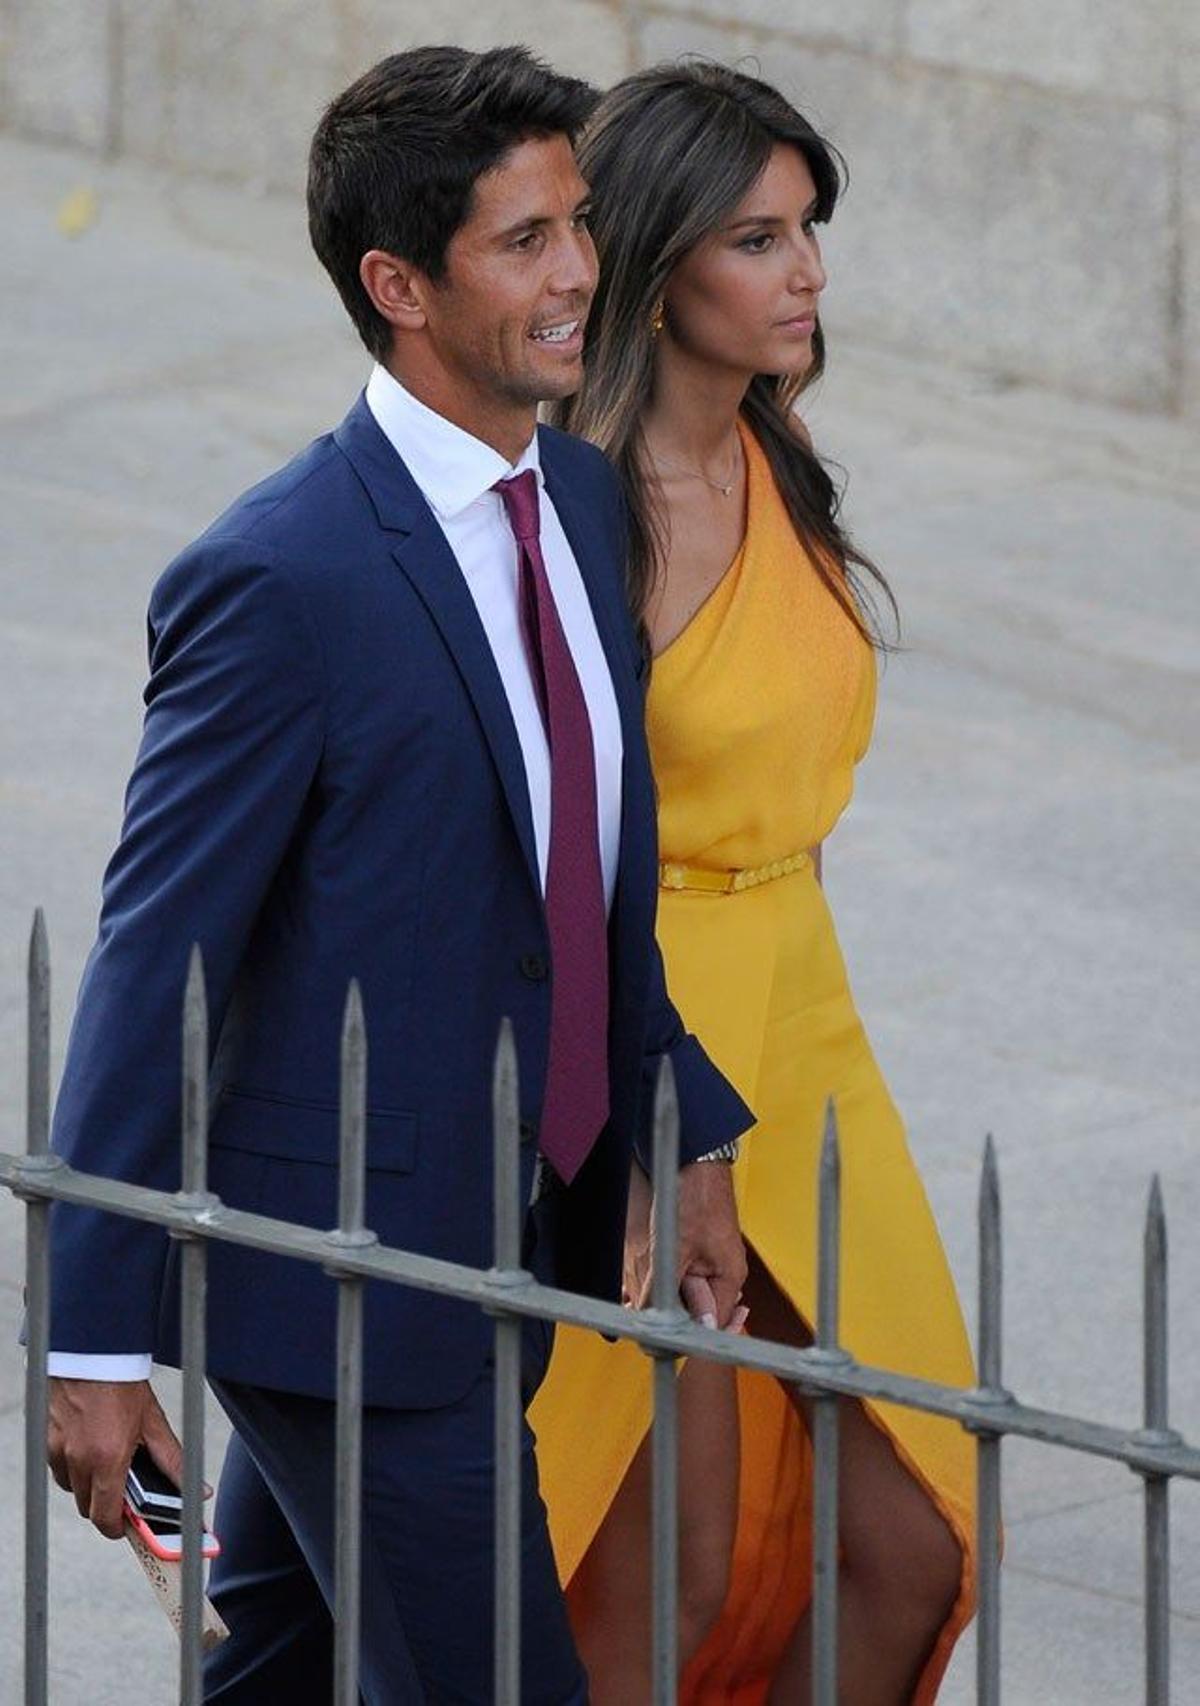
x=527, y=241
x=809, y=227
x=758, y=244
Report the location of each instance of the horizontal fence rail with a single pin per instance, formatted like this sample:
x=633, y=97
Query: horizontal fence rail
x=1172, y=1456
x=825, y=1372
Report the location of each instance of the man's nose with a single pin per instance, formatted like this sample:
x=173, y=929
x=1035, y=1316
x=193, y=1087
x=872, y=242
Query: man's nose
x=576, y=267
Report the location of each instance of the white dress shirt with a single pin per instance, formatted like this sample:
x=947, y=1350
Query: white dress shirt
x=455, y=474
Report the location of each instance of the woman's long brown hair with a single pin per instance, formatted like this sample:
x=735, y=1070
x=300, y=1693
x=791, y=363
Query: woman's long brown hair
x=669, y=153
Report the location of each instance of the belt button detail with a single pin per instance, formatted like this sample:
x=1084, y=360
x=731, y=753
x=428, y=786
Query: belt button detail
x=535, y=967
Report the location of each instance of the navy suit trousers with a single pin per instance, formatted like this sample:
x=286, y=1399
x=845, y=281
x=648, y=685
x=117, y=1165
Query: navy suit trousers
x=427, y=1556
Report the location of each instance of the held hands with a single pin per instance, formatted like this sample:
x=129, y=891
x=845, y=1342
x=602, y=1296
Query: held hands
x=712, y=1257
x=95, y=1427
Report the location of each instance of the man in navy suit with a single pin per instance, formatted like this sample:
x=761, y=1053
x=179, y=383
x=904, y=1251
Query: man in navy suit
x=393, y=731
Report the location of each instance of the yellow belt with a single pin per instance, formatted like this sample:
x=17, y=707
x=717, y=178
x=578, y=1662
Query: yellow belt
x=675, y=876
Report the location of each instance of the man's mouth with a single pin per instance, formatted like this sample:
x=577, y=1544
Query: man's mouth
x=562, y=333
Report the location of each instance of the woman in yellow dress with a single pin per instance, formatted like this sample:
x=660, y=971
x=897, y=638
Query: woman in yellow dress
x=708, y=188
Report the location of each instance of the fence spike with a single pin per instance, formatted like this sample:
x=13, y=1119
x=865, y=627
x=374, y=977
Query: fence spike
x=506, y=1125
x=829, y=1215
x=1155, y=1309
x=37, y=1084
x=352, y=1114
x=666, y=1189
x=195, y=1075
x=991, y=1271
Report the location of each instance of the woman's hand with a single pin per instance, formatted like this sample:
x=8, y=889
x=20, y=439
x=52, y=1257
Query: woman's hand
x=697, y=1293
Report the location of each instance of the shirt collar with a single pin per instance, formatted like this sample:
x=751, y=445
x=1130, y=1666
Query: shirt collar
x=452, y=468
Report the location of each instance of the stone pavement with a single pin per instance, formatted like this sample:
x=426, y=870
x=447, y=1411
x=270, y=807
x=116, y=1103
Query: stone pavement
x=1016, y=884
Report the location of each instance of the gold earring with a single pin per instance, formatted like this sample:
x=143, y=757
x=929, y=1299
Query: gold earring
x=656, y=318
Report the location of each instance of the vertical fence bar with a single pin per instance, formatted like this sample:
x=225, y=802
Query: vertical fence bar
x=1157, y=1516
x=193, y=1276
x=665, y=1446
x=352, y=1194
x=991, y=1278
x=507, y=1208
x=826, y=1409
x=37, y=1302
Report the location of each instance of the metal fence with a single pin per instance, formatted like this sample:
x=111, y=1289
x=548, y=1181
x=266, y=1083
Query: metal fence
x=352, y=1254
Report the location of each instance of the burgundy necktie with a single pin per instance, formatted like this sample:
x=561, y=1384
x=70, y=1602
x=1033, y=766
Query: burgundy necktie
x=576, y=1100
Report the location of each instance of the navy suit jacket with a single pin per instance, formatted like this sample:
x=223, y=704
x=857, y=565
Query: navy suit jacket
x=330, y=785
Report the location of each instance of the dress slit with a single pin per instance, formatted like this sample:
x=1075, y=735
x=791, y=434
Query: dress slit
x=711, y=1679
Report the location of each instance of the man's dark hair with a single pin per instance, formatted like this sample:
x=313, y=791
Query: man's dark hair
x=396, y=156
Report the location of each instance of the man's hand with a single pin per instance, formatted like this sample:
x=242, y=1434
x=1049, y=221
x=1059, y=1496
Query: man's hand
x=712, y=1257
x=95, y=1428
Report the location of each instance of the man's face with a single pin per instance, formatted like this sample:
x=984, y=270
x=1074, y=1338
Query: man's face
x=505, y=322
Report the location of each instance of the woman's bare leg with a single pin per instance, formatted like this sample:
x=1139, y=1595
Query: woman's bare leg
x=901, y=1564
x=610, y=1597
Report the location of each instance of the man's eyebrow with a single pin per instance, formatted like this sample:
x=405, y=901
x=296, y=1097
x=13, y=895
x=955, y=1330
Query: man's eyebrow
x=530, y=224
x=536, y=220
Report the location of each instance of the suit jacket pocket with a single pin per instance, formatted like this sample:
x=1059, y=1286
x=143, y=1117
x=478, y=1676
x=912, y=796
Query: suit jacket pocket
x=257, y=1122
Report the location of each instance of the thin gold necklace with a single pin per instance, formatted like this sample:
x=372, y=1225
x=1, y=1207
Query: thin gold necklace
x=725, y=489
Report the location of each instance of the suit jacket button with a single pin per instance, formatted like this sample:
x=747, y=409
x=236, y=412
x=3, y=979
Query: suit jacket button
x=527, y=1132
x=535, y=967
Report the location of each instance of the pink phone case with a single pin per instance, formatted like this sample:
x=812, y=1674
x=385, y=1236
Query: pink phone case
x=210, y=1546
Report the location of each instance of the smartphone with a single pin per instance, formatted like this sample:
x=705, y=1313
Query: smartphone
x=165, y=1538
x=148, y=1490
x=154, y=1507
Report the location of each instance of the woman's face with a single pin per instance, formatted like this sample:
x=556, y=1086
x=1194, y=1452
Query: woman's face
x=746, y=296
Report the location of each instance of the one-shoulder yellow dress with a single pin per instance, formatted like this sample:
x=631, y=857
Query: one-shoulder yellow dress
x=757, y=715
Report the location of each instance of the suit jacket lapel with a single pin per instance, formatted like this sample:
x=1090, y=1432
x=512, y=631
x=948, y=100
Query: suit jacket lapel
x=423, y=554
x=430, y=565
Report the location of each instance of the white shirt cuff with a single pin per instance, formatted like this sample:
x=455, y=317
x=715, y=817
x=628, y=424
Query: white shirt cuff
x=81, y=1365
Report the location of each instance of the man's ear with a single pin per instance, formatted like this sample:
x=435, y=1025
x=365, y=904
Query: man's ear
x=396, y=289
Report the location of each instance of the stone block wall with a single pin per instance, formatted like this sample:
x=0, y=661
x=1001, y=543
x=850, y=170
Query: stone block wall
x=1025, y=177
x=234, y=87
